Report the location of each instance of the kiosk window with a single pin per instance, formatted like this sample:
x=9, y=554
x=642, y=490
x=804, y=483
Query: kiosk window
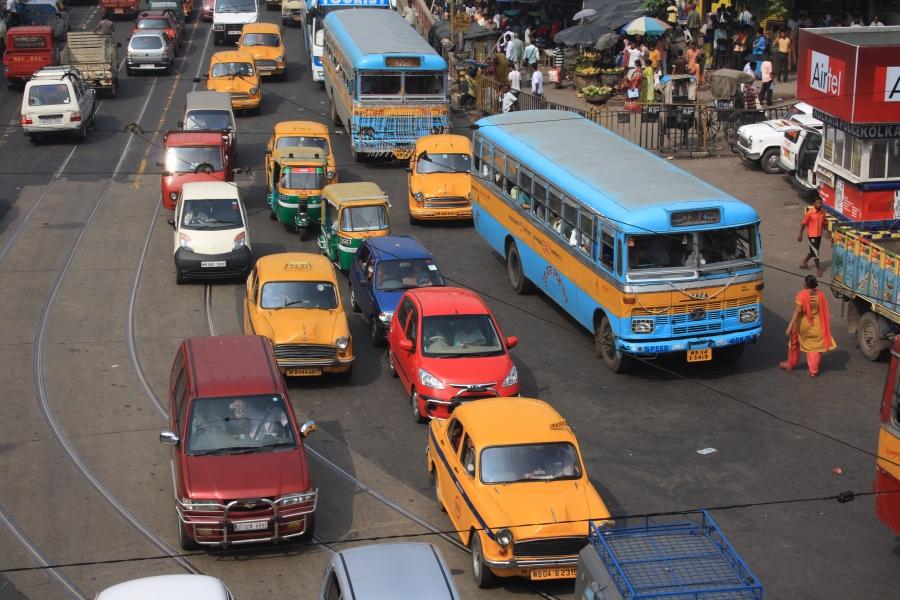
x=878, y=159
x=893, y=158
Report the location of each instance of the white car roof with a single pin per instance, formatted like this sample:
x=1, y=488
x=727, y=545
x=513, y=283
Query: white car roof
x=199, y=190
x=807, y=120
x=806, y=108
x=168, y=587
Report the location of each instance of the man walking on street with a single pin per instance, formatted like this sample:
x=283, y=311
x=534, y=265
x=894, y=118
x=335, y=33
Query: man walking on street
x=782, y=52
x=765, y=92
x=693, y=25
x=814, y=223
x=537, y=83
x=559, y=61
x=105, y=26
x=515, y=79
x=532, y=56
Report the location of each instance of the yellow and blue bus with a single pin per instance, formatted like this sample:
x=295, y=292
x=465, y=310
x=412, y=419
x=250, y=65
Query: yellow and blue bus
x=649, y=258
x=387, y=86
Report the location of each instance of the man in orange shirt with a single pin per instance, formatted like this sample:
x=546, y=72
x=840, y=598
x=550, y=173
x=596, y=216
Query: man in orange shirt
x=814, y=223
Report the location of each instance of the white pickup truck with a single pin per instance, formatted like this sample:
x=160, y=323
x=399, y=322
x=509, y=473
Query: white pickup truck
x=760, y=143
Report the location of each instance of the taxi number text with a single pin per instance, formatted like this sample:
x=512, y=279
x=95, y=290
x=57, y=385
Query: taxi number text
x=303, y=372
x=562, y=573
x=699, y=355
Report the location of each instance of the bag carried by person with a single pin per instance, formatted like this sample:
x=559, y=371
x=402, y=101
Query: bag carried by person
x=553, y=75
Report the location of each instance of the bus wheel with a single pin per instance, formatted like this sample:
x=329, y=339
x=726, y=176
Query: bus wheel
x=868, y=336
x=605, y=347
x=517, y=278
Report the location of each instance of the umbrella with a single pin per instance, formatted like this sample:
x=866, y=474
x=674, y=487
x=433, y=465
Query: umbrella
x=581, y=35
x=607, y=40
x=646, y=26
x=583, y=14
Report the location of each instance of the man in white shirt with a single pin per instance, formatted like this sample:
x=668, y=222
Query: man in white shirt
x=876, y=22
x=532, y=56
x=634, y=53
x=508, y=100
x=515, y=78
x=537, y=83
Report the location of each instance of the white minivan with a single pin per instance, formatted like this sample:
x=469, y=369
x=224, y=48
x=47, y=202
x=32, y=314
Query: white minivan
x=211, y=236
x=229, y=18
x=57, y=101
x=170, y=587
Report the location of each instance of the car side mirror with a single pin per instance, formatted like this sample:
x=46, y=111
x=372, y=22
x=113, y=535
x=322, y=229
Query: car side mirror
x=307, y=428
x=180, y=124
x=169, y=438
x=196, y=80
x=409, y=169
x=405, y=345
x=237, y=170
x=171, y=222
x=512, y=341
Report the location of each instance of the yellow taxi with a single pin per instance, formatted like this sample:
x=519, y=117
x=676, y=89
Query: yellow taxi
x=294, y=300
x=234, y=72
x=508, y=472
x=302, y=134
x=440, y=184
x=264, y=42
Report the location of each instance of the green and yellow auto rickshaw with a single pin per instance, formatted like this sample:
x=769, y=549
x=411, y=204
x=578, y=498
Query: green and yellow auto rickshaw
x=296, y=179
x=351, y=212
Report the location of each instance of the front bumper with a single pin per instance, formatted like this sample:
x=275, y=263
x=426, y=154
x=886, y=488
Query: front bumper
x=523, y=565
x=229, y=265
x=439, y=404
x=148, y=66
x=417, y=211
x=336, y=365
x=220, y=526
x=245, y=103
x=666, y=346
x=747, y=153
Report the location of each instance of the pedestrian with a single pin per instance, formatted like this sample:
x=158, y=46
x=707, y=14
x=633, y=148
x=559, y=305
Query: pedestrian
x=515, y=78
x=471, y=95
x=751, y=98
x=501, y=67
x=537, y=83
x=720, y=44
x=679, y=65
x=693, y=24
x=746, y=18
x=672, y=14
x=814, y=223
x=662, y=45
x=515, y=50
x=648, y=80
x=508, y=100
x=105, y=26
x=809, y=329
x=531, y=56
x=782, y=49
x=655, y=57
x=876, y=22
x=634, y=54
x=559, y=61
x=765, y=91
x=760, y=44
x=410, y=13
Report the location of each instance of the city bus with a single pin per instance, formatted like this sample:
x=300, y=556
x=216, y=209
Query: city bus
x=387, y=86
x=648, y=258
x=887, y=467
x=314, y=12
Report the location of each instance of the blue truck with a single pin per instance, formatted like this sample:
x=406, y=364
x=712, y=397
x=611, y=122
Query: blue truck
x=677, y=557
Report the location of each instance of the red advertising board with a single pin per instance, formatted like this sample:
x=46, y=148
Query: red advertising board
x=852, y=73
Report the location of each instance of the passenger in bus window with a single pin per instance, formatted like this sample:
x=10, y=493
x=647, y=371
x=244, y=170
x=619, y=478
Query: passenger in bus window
x=555, y=222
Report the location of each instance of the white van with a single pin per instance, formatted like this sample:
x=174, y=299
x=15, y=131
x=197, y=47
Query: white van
x=211, y=236
x=57, y=100
x=229, y=18
x=170, y=587
x=210, y=111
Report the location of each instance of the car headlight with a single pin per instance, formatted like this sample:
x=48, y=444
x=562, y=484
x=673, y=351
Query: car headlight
x=330, y=174
x=342, y=343
x=279, y=59
x=430, y=381
x=291, y=499
x=419, y=196
x=200, y=505
x=504, y=537
x=253, y=91
x=185, y=242
x=642, y=326
x=512, y=378
x=173, y=195
x=218, y=26
x=240, y=240
x=748, y=315
x=385, y=317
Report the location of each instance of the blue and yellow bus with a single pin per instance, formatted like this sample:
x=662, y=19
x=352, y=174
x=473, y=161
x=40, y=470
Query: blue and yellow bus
x=387, y=86
x=314, y=12
x=647, y=257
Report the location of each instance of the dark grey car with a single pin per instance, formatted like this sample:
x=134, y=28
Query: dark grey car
x=149, y=50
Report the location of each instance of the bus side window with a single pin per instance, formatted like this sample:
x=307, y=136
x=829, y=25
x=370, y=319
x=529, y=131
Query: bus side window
x=500, y=170
x=512, y=174
x=619, y=257
x=607, y=248
x=476, y=153
x=569, y=223
x=522, y=195
x=555, y=209
x=586, y=233
x=539, y=200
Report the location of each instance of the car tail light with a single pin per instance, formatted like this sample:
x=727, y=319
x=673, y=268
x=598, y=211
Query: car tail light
x=26, y=120
x=165, y=53
x=792, y=135
x=75, y=117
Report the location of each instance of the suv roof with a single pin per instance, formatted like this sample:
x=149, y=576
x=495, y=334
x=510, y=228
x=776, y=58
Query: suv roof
x=167, y=586
x=202, y=190
x=56, y=73
x=371, y=571
x=232, y=365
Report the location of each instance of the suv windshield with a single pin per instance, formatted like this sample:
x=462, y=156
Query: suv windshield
x=692, y=249
x=530, y=462
x=211, y=214
x=49, y=94
x=302, y=178
x=234, y=6
x=448, y=336
x=207, y=119
x=300, y=141
x=238, y=425
x=261, y=39
x=364, y=218
x=232, y=68
x=443, y=163
x=194, y=158
x=298, y=294
x=406, y=274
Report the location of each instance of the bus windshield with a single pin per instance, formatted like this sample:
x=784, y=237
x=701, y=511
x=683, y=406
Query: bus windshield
x=392, y=83
x=692, y=249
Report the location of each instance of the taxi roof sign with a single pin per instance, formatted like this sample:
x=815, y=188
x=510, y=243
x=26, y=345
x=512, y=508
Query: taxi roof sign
x=298, y=265
x=559, y=426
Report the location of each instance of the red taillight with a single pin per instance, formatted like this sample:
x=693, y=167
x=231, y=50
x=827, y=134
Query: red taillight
x=26, y=120
x=792, y=135
x=75, y=117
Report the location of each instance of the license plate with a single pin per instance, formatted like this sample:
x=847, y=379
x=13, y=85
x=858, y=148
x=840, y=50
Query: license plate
x=51, y=121
x=560, y=573
x=234, y=32
x=251, y=525
x=119, y=11
x=146, y=66
x=699, y=355
x=212, y=264
x=303, y=372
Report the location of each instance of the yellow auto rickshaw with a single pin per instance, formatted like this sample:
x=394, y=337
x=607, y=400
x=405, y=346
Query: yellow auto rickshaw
x=351, y=212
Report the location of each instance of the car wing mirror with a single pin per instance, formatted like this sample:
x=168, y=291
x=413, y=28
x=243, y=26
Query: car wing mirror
x=171, y=222
x=405, y=345
x=180, y=124
x=237, y=170
x=307, y=428
x=169, y=438
x=409, y=169
x=512, y=341
x=470, y=469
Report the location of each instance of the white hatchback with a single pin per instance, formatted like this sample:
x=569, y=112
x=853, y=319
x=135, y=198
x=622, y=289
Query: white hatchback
x=56, y=101
x=168, y=587
x=211, y=236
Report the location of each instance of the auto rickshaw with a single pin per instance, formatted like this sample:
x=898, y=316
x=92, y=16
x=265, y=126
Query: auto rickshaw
x=296, y=179
x=351, y=212
x=300, y=134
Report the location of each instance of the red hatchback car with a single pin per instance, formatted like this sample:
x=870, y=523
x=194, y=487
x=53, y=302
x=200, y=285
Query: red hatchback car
x=195, y=155
x=446, y=348
x=240, y=469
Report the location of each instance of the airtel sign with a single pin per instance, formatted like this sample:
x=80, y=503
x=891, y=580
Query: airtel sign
x=826, y=73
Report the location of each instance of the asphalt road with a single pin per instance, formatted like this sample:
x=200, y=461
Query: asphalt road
x=92, y=317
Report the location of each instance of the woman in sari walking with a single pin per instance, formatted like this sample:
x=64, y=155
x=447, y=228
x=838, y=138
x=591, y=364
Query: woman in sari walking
x=809, y=329
x=647, y=94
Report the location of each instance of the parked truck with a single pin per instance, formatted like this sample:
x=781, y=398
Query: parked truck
x=96, y=57
x=865, y=276
x=682, y=556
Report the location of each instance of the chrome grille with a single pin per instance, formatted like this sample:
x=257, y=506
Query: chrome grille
x=239, y=96
x=743, y=141
x=550, y=547
x=446, y=202
x=265, y=65
x=304, y=351
x=689, y=307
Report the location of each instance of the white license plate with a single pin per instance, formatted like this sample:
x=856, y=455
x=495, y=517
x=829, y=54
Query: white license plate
x=51, y=121
x=119, y=11
x=234, y=32
x=251, y=525
x=212, y=264
x=146, y=66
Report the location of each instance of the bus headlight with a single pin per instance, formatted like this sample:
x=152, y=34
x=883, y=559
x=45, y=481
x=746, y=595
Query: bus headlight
x=748, y=315
x=642, y=326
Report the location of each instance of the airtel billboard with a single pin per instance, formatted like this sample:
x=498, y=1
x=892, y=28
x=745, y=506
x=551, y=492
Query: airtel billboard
x=851, y=73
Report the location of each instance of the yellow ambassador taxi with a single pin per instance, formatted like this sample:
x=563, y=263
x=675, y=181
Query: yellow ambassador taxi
x=234, y=72
x=264, y=42
x=440, y=182
x=508, y=472
x=293, y=299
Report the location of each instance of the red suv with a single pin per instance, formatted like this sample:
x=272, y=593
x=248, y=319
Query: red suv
x=194, y=155
x=240, y=470
x=446, y=348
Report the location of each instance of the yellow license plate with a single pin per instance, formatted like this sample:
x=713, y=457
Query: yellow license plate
x=561, y=573
x=303, y=372
x=699, y=355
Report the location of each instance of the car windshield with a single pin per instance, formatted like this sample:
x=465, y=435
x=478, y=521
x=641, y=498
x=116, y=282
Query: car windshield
x=301, y=141
x=403, y=274
x=443, y=163
x=448, y=336
x=232, y=6
x=302, y=178
x=153, y=24
x=272, y=40
x=146, y=42
x=298, y=294
x=208, y=119
x=211, y=214
x=49, y=95
x=242, y=425
x=193, y=158
x=229, y=69
x=365, y=218
x=692, y=249
x=530, y=462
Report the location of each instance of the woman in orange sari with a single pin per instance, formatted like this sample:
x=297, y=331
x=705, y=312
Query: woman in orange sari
x=693, y=66
x=809, y=329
